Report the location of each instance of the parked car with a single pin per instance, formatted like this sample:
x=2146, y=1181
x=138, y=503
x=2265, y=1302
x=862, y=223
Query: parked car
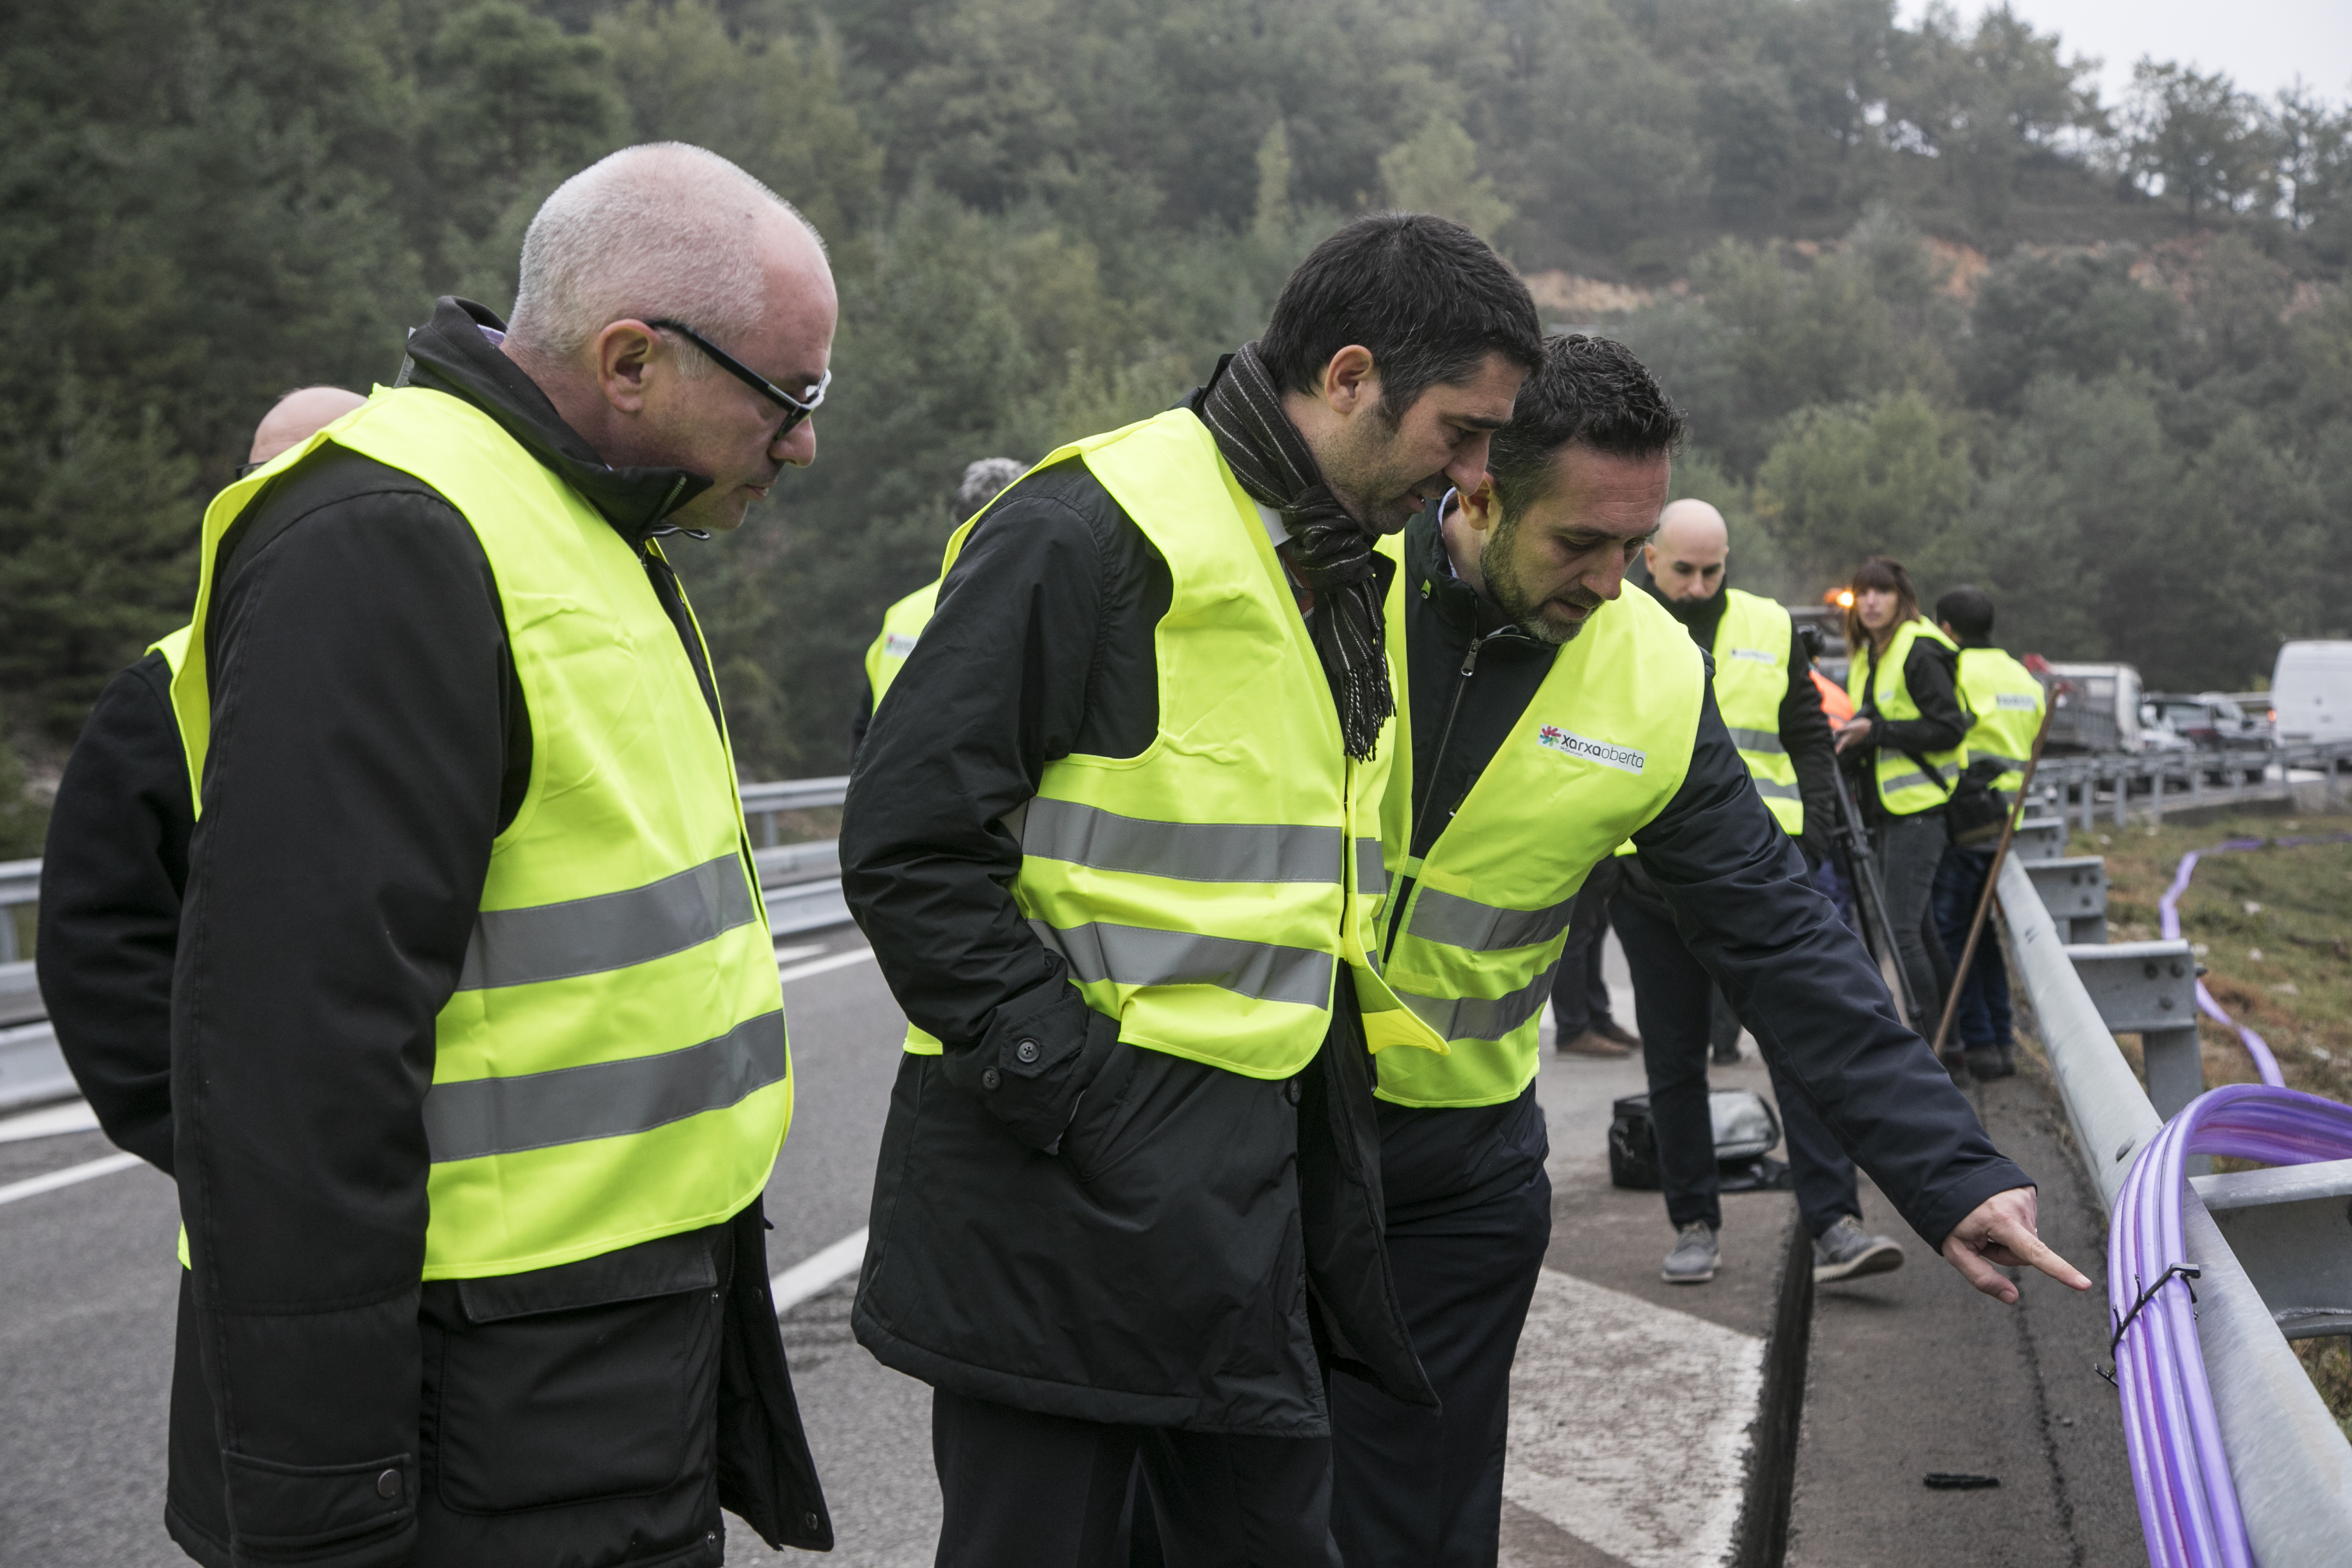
x=2213, y=722
x=2311, y=693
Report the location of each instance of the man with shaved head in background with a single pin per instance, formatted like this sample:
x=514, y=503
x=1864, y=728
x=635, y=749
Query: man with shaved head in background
x=1763, y=684
x=116, y=865
x=478, y=1057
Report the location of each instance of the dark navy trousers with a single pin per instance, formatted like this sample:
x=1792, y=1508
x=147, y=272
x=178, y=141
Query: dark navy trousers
x=1983, y=1017
x=1673, y=1007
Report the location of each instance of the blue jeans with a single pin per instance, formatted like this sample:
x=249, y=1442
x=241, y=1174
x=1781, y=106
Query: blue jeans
x=1982, y=1017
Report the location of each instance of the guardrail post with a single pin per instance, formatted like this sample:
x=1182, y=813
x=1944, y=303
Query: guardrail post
x=2155, y=792
x=8, y=954
x=2074, y=890
x=2040, y=838
x=2196, y=784
x=2148, y=989
x=2292, y=1230
x=2123, y=791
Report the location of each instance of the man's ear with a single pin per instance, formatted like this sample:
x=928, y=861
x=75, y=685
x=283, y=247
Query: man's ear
x=1480, y=510
x=625, y=352
x=1945, y=627
x=1350, y=382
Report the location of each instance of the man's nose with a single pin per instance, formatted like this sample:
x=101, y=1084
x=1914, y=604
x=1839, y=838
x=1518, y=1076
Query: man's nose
x=1467, y=470
x=797, y=447
x=1607, y=580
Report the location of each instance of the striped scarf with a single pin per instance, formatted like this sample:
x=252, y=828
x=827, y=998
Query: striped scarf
x=1330, y=551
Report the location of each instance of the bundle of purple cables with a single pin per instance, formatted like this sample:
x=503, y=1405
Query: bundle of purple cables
x=2265, y=1065
x=2188, y=1506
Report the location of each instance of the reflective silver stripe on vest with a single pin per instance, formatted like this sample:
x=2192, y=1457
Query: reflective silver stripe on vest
x=609, y=930
x=480, y=1116
x=1773, y=789
x=1371, y=877
x=1191, y=851
x=1482, y=1017
x=1140, y=955
x=1757, y=741
x=1911, y=780
x=1482, y=928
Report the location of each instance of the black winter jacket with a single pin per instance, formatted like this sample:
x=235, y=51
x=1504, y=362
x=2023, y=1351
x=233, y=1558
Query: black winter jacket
x=370, y=738
x=1109, y=1233
x=112, y=874
x=1738, y=890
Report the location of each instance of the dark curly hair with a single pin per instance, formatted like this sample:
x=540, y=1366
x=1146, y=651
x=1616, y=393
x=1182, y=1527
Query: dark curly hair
x=1587, y=390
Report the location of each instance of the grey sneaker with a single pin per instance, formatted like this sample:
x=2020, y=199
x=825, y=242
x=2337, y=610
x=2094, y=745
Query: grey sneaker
x=1847, y=1251
x=1692, y=1260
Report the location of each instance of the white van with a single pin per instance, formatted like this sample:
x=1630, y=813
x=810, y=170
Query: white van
x=2311, y=693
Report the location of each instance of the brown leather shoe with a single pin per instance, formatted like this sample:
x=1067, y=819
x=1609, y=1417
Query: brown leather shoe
x=1593, y=1042
x=1609, y=1029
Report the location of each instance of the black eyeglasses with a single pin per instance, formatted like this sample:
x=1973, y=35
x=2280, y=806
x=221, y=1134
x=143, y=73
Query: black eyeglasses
x=795, y=408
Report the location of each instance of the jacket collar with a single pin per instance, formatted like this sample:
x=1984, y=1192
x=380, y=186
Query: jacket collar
x=1701, y=618
x=1429, y=573
x=454, y=353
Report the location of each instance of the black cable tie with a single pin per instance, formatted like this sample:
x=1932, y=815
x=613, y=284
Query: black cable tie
x=2184, y=1271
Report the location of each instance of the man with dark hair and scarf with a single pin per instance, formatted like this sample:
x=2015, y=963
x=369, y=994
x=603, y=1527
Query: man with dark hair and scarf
x=1548, y=717
x=1114, y=837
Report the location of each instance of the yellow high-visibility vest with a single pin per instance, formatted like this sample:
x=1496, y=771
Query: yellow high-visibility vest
x=1209, y=892
x=2006, y=702
x=611, y=1066
x=902, y=624
x=1903, y=789
x=1752, y=677
x=1602, y=746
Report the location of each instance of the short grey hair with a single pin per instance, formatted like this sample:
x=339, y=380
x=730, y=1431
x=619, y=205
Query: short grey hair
x=984, y=480
x=661, y=230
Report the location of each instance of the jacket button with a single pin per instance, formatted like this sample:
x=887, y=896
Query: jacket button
x=1027, y=1050
x=991, y=1078
x=808, y=1521
x=1290, y=1091
x=387, y=1484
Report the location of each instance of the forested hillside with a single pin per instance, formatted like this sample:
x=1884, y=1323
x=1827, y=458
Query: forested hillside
x=1921, y=288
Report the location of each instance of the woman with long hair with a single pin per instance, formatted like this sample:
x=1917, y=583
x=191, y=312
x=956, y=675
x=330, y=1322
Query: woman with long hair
x=1905, y=742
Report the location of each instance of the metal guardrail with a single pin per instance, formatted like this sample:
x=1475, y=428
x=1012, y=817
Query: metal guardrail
x=2288, y=1461
x=800, y=883
x=2151, y=783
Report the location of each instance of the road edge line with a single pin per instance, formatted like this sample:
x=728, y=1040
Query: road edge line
x=820, y=965
x=815, y=1272
x=34, y=1186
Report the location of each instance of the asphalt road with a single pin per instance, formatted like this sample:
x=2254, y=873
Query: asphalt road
x=88, y=1281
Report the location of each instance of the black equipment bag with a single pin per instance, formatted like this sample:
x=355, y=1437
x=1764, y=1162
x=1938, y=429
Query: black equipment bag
x=1974, y=815
x=1744, y=1130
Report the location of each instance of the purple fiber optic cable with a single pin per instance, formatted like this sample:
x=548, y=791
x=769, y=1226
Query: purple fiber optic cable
x=2169, y=908
x=2189, y=1509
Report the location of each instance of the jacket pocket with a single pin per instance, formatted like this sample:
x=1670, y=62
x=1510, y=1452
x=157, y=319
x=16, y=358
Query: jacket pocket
x=616, y=1399
x=304, y=1510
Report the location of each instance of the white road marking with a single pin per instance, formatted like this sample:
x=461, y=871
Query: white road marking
x=35, y=1185
x=786, y=954
x=812, y=1274
x=820, y=965
x=49, y=1122
x=1629, y=1424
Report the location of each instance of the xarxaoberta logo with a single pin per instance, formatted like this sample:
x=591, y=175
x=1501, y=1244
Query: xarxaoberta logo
x=1623, y=758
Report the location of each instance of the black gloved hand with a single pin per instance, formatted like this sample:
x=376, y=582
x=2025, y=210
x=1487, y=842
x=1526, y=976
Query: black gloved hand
x=1042, y=1049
